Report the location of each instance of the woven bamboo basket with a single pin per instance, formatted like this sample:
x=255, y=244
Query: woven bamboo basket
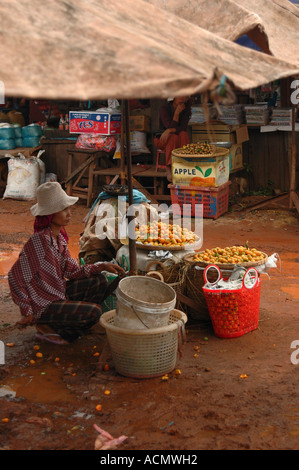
x=195, y=282
x=187, y=246
x=230, y=267
x=173, y=274
x=217, y=152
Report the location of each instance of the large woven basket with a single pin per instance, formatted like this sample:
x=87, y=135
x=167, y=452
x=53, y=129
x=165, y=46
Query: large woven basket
x=174, y=274
x=217, y=152
x=145, y=353
x=193, y=287
x=230, y=267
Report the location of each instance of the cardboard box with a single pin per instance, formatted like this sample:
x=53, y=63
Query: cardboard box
x=217, y=131
x=200, y=172
x=236, y=157
x=140, y=123
x=92, y=122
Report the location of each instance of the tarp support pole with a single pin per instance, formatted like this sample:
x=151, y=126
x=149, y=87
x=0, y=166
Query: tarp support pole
x=293, y=196
x=131, y=228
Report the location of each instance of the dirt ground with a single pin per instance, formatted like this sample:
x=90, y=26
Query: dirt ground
x=236, y=394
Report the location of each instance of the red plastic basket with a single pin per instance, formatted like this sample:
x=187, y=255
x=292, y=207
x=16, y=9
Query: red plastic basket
x=214, y=200
x=233, y=312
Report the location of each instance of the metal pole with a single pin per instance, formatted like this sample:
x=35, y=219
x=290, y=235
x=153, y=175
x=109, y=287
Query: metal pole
x=122, y=153
x=293, y=160
x=131, y=231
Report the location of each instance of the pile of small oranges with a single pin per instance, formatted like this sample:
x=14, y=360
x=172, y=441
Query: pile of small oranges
x=163, y=234
x=229, y=255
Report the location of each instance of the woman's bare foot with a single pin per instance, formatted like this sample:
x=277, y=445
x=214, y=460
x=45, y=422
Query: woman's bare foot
x=46, y=333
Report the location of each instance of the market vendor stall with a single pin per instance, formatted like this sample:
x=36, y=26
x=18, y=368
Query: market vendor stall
x=145, y=66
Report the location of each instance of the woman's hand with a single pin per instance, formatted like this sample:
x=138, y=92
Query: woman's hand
x=165, y=135
x=112, y=268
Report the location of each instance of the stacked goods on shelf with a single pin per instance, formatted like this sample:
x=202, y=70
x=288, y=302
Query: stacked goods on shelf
x=218, y=131
x=257, y=114
x=233, y=114
x=18, y=135
x=199, y=114
x=31, y=135
x=281, y=117
x=140, y=127
x=14, y=136
x=7, y=137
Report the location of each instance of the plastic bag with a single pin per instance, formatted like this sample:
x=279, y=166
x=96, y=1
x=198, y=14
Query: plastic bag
x=23, y=178
x=271, y=262
x=96, y=141
x=50, y=177
x=138, y=143
x=42, y=167
x=239, y=277
x=113, y=104
x=117, y=153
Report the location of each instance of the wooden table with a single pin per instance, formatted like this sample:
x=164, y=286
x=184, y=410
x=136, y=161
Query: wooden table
x=26, y=151
x=141, y=171
x=75, y=187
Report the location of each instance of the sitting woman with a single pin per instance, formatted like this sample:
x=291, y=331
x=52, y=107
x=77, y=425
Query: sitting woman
x=54, y=293
x=174, y=119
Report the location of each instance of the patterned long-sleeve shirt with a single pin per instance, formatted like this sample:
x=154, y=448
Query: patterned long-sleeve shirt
x=39, y=276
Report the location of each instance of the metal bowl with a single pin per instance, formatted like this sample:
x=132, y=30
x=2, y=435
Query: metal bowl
x=116, y=189
x=226, y=145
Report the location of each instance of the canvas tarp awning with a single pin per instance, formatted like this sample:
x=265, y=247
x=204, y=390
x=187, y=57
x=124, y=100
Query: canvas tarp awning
x=272, y=24
x=79, y=49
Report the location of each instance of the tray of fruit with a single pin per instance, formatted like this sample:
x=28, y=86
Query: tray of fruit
x=163, y=236
x=228, y=257
x=200, y=149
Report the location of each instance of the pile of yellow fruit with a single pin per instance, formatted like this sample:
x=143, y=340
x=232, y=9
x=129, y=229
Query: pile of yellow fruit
x=229, y=255
x=162, y=234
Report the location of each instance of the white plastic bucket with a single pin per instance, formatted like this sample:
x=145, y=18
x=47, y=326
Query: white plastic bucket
x=143, y=302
